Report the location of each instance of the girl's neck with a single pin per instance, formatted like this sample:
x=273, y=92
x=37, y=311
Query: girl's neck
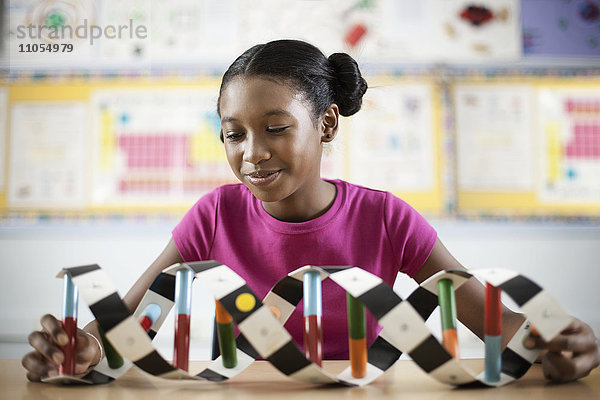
x=303, y=206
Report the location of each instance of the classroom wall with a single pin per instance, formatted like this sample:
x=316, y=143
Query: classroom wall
x=490, y=128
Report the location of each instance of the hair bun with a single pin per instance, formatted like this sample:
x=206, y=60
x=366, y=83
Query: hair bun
x=350, y=86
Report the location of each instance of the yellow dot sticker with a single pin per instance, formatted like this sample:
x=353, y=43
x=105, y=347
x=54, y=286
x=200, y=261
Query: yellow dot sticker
x=245, y=302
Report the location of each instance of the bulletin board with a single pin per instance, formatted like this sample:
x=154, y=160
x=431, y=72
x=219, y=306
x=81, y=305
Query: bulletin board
x=96, y=147
x=528, y=146
x=93, y=147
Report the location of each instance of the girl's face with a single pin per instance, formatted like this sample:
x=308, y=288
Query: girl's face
x=272, y=143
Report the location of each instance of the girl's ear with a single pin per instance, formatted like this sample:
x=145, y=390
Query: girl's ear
x=329, y=123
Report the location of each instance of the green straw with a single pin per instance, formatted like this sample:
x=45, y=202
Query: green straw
x=226, y=336
x=357, y=327
x=447, y=304
x=113, y=358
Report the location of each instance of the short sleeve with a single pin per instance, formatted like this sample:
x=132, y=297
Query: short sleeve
x=194, y=234
x=411, y=236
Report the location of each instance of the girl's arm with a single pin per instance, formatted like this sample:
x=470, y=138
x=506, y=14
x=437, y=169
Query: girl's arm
x=169, y=256
x=571, y=355
x=470, y=296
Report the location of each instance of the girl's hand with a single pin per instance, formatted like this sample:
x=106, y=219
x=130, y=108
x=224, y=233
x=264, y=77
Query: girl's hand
x=571, y=355
x=44, y=361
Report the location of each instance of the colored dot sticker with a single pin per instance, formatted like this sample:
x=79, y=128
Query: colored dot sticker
x=245, y=302
x=275, y=311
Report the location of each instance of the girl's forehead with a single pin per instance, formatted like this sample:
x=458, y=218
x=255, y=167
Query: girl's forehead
x=258, y=84
x=258, y=92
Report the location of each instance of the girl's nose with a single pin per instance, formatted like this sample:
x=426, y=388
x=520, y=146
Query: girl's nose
x=256, y=149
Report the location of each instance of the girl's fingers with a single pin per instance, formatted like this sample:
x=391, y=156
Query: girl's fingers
x=33, y=377
x=578, y=337
x=38, y=366
x=581, y=343
x=86, y=350
x=577, y=343
x=54, y=328
x=40, y=341
x=45, y=360
x=559, y=368
x=571, y=355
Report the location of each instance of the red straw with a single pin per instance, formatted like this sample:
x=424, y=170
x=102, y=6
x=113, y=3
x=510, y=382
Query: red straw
x=493, y=311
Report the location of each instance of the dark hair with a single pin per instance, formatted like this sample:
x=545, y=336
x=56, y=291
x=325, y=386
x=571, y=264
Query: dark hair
x=321, y=80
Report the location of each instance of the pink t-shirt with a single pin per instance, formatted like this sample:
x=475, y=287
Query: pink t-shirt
x=367, y=228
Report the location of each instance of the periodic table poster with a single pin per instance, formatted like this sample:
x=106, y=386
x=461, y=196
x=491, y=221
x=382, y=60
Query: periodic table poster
x=569, y=134
x=156, y=146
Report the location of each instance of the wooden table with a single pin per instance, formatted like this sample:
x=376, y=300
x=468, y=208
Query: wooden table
x=262, y=381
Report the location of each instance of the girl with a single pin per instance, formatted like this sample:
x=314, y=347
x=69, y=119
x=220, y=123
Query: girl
x=279, y=103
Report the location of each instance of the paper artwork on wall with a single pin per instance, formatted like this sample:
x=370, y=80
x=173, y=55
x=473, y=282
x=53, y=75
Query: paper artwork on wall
x=494, y=137
x=391, y=140
x=48, y=155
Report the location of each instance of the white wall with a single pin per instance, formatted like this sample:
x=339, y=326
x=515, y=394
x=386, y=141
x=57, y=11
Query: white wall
x=562, y=259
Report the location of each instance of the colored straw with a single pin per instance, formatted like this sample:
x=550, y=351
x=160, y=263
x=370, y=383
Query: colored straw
x=493, y=333
x=226, y=335
x=313, y=314
x=447, y=303
x=69, y=322
x=113, y=358
x=149, y=316
x=357, y=333
x=183, y=307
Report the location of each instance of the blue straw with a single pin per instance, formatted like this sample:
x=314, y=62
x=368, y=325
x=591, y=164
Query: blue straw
x=312, y=293
x=70, y=298
x=183, y=291
x=493, y=357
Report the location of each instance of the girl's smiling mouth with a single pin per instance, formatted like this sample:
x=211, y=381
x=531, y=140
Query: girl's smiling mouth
x=260, y=178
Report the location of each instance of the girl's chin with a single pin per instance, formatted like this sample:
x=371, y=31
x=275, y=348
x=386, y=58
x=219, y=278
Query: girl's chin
x=264, y=195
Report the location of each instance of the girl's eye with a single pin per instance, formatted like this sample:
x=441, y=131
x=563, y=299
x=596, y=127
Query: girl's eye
x=233, y=136
x=277, y=130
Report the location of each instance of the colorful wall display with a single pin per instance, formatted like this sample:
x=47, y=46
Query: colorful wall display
x=528, y=148
x=108, y=34
x=123, y=147
x=569, y=134
x=393, y=142
x=156, y=145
